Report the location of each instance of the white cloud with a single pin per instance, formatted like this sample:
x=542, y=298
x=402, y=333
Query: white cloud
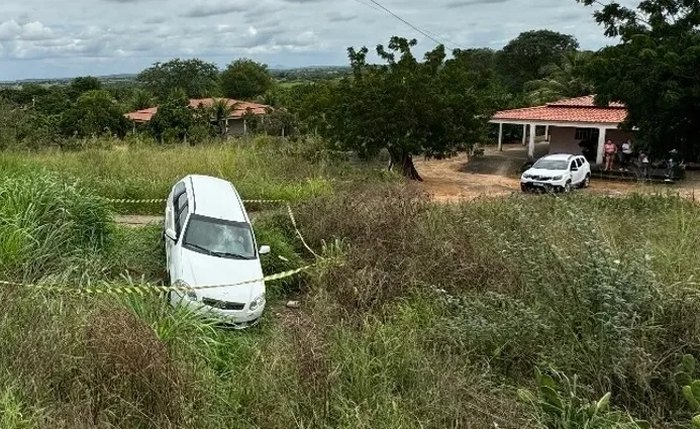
x=70, y=39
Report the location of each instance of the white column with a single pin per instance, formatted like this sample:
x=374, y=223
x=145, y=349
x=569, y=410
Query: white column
x=531, y=145
x=245, y=127
x=500, y=136
x=601, y=146
x=524, y=134
x=546, y=132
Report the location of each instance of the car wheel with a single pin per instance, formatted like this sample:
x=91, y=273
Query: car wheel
x=567, y=187
x=586, y=182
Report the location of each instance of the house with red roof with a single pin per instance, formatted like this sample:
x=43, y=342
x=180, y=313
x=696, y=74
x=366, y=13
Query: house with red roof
x=570, y=125
x=236, y=123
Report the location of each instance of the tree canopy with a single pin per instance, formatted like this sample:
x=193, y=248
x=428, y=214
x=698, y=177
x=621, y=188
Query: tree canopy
x=523, y=58
x=195, y=77
x=245, y=79
x=654, y=71
x=94, y=113
x=405, y=106
x=173, y=119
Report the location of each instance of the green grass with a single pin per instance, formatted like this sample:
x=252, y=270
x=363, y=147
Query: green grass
x=422, y=315
x=260, y=168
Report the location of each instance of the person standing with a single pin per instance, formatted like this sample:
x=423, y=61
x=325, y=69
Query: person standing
x=626, y=154
x=610, y=150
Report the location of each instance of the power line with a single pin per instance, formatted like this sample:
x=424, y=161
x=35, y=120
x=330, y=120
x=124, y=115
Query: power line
x=382, y=7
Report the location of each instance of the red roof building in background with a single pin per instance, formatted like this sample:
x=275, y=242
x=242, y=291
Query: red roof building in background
x=569, y=124
x=239, y=108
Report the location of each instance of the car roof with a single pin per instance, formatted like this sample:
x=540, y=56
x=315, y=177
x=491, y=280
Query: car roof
x=216, y=198
x=560, y=156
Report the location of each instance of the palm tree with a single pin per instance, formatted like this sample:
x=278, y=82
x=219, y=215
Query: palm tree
x=219, y=112
x=563, y=80
x=141, y=99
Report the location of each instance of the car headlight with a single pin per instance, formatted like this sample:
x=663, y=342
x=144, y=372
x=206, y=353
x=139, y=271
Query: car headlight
x=257, y=302
x=184, y=287
x=556, y=178
x=527, y=176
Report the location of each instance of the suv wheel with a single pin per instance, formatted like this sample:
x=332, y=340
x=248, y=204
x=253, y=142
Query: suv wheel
x=567, y=187
x=586, y=182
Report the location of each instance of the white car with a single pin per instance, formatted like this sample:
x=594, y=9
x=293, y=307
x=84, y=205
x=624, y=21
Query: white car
x=559, y=172
x=209, y=242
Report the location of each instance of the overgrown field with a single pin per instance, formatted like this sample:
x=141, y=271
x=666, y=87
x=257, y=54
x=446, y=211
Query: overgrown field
x=261, y=167
x=418, y=315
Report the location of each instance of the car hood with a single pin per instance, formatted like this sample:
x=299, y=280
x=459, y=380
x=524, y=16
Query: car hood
x=542, y=172
x=205, y=270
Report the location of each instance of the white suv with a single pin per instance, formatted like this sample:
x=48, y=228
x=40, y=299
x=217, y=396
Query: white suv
x=209, y=242
x=557, y=172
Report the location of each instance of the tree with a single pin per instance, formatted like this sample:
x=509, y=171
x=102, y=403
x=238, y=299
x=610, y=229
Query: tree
x=173, y=119
x=195, y=77
x=219, y=111
x=83, y=84
x=245, y=79
x=407, y=107
x=94, y=113
x=563, y=80
x=524, y=57
x=141, y=99
x=653, y=71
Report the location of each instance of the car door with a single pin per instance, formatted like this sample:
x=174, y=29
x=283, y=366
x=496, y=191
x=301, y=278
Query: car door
x=170, y=214
x=181, y=213
x=573, y=170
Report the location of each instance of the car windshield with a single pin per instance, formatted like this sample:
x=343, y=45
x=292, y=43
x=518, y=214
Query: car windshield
x=220, y=238
x=551, y=164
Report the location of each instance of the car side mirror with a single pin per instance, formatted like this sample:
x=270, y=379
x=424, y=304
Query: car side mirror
x=264, y=250
x=170, y=233
x=574, y=168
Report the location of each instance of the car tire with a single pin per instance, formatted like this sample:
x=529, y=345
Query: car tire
x=567, y=187
x=586, y=181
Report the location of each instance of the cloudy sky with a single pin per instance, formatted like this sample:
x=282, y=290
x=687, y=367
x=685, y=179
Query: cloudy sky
x=64, y=38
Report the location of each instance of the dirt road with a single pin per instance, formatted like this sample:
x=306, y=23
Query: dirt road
x=497, y=174
x=138, y=221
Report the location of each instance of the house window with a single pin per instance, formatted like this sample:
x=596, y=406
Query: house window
x=586, y=134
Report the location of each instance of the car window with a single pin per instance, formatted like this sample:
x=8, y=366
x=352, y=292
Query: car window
x=573, y=165
x=181, y=201
x=181, y=218
x=226, y=239
x=550, y=164
x=579, y=163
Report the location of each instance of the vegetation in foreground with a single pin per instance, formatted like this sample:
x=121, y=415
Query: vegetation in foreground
x=525, y=312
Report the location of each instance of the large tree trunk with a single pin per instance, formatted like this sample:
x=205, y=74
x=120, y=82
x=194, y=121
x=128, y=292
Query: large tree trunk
x=404, y=162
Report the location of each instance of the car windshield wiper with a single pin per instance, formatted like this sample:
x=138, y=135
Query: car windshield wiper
x=203, y=249
x=229, y=255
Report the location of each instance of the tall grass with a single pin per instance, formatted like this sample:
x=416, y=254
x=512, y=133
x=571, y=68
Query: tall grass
x=260, y=167
x=426, y=316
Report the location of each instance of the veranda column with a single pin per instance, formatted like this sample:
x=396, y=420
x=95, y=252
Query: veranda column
x=601, y=146
x=531, y=145
x=500, y=136
x=524, y=134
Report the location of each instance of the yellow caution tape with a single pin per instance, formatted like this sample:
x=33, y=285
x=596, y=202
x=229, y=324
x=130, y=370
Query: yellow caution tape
x=161, y=200
x=148, y=288
x=129, y=201
x=289, y=211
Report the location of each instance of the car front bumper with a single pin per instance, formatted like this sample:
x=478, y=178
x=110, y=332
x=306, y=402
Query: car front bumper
x=237, y=319
x=532, y=185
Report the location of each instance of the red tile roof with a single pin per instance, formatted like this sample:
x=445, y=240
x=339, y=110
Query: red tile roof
x=581, y=109
x=239, y=109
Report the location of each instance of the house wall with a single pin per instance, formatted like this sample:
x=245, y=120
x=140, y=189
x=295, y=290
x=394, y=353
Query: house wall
x=562, y=140
x=619, y=136
x=235, y=127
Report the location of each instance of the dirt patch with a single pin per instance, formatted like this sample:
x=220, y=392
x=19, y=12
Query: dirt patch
x=138, y=221
x=498, y=174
